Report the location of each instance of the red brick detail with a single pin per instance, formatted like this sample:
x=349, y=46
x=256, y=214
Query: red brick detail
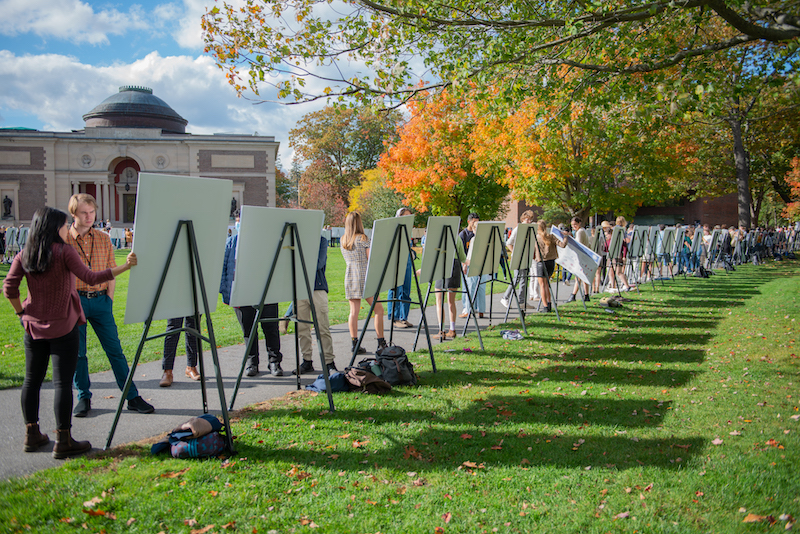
x=30, y=196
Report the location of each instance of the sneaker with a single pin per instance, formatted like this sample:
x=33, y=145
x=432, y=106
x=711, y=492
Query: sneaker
x=275, y=369
x=306, y=367
x=407, y=323
x=332, y=368
x=504, y=302
x=451, y=334
x=82, y=408
x=381, y=345
x=251, y=370
x=138, y=404
x=571, y=299
x=400, y=324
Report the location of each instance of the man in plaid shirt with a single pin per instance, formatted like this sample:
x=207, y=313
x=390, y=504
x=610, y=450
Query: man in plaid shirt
x=94, y=248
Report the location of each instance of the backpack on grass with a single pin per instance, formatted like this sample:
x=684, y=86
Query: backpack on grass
x=395, y=367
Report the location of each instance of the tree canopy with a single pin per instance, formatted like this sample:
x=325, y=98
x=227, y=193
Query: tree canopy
x=369, y=50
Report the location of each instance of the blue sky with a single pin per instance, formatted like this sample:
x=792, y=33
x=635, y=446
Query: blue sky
x=59, y=59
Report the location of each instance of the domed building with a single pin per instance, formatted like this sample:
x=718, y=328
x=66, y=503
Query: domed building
x=129, y=132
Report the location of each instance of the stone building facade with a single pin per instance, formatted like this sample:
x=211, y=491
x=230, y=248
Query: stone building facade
x=128, y=133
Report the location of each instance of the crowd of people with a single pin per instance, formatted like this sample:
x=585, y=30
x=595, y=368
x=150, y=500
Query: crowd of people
x=69, y=268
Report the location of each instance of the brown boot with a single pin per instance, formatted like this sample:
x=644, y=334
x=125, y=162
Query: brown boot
x=166, y=379
x=34, y=438
x=66, y=446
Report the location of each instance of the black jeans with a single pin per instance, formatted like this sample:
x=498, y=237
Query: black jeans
x=64, y=351
x=272, y=336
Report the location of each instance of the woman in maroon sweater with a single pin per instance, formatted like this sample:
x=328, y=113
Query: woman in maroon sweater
x=50, y=316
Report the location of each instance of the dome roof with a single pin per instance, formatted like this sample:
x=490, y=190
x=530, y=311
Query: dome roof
x=135, y=107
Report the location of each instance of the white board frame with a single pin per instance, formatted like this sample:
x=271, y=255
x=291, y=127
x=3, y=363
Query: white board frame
x=204, y=201
x=483, y=231
x=260, y=232
x=431, y=270
x=381, y=253
x=520, y=260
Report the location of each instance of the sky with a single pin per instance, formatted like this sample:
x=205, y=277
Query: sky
x=59, y=59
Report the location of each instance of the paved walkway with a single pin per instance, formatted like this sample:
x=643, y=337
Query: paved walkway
x=183, y=400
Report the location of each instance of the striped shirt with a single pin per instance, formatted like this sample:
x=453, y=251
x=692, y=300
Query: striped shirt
x=96, y=253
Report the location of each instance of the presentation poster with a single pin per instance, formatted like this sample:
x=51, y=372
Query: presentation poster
x=205, y=202
x=576, y=258
x=260, y=231
x=382, y=254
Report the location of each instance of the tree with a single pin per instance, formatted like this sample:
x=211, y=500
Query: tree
x=339, y=145
x=285, y=190
x=583, y=159
x=431, y=163
x=398, y=42
x=753, y=93
x=792, y=211
x=373, y=198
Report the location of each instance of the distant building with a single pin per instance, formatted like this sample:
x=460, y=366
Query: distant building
x=130, y=132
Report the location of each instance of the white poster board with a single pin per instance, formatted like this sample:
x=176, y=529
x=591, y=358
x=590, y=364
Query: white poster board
x=161, y=202
x=576, y=258
x=523, y=253
x=437, y=267
x=615, y=245
x=260, y=231
x=11, y=239
x=481, y=245
x=383, y=254
x=697, y=240
x=678, y=248
x=668, y=241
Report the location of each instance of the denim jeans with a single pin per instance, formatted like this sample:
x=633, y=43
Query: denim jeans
x=400, y=311
x=479, y=301
x=99, y=313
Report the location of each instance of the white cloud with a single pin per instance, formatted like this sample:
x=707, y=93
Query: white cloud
x=71, y=20
x=58, y=90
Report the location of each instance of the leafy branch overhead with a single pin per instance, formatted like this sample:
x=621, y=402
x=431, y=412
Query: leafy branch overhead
x=305, y=50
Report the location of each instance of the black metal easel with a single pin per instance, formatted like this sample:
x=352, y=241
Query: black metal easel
x=296, y=249
x=400, y=236
x=196, y=273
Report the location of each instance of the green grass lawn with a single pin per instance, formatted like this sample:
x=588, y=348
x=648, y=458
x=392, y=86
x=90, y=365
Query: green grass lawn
x=677, y=413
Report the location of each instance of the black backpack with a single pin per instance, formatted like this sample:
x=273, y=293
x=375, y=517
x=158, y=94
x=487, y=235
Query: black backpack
x=395, y=367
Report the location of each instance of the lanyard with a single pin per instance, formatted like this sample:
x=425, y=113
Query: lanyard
x=91, y=250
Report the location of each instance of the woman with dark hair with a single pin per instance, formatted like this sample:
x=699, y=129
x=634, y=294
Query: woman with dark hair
x=50, y=316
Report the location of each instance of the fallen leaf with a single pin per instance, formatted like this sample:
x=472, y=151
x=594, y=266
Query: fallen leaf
x=717, y=441
x=94, y=501
x=130, y=521
x=202, y=530
x=173, y=474
x=231, y=525
x=447, y=517
x=753, y=518
x=466, y=436
x=623, y=515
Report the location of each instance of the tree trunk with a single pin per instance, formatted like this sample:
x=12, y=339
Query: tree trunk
x=742, y=164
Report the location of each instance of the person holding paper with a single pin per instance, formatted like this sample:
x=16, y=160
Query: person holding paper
x=583, y=238
x=51, y=317
x=355, y=249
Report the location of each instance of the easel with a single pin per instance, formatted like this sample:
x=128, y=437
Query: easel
x=495, y=243
x=441, y=252
x=400, y=236
x=526, y=256
x=196, y=273
x=296, y=248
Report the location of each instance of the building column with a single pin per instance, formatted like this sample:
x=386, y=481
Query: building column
x=76, y=187
x=106, y=200
x=99, y=199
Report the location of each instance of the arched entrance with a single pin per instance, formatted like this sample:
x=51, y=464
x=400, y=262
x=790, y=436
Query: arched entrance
x=126, y=178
